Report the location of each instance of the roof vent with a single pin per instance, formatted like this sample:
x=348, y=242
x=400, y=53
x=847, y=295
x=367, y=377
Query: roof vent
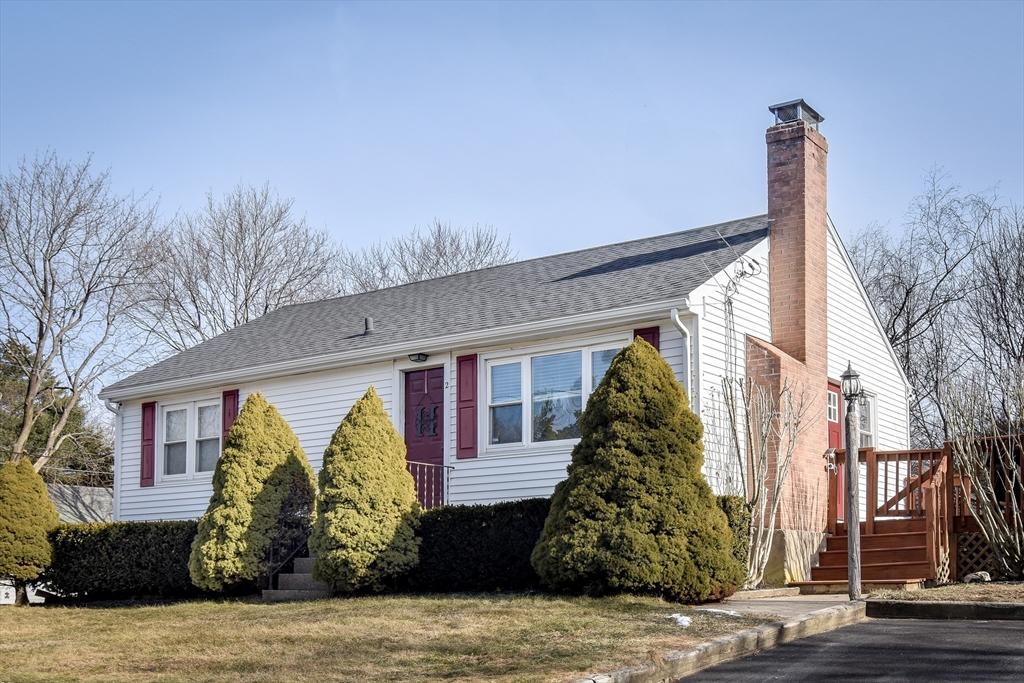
x=368, y=325
x=797, y=110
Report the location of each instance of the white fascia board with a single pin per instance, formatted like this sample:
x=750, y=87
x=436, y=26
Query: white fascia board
x=575, y=323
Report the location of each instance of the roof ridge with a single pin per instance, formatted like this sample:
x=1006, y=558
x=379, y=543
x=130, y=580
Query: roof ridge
x=515, y=263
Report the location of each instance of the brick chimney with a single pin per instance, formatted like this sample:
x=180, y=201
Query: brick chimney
x=796, y=205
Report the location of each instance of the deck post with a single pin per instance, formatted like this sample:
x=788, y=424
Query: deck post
x=872, y=491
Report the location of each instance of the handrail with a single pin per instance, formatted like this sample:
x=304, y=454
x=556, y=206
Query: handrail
x=431, y=482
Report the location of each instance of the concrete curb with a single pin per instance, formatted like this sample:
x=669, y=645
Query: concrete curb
x=761, y=593
x=928, y=609
x=679, y=663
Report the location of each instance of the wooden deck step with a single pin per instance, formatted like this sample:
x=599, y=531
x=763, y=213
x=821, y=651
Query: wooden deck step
x=910, y=553
x=874, y=572
x=900, y=539
x=841, y=587
x=888, y=526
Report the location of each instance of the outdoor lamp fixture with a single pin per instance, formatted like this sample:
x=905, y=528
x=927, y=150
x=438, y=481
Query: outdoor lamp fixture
x=418, y=357
x=851, y=383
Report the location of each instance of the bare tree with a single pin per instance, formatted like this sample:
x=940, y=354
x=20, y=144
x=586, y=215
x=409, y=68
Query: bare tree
x=765, y=427
x=915, y=278
x=442, y=249
x=71, y=252
x=242, y=256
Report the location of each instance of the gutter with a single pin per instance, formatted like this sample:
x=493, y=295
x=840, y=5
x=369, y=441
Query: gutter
x=115, y=408
x=690, y=344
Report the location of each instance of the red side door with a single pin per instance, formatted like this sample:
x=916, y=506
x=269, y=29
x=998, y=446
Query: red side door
x=833, y=413
x=424, y=433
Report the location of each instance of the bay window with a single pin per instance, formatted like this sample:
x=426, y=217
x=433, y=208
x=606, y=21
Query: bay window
x=546, y=392
x=191, y=439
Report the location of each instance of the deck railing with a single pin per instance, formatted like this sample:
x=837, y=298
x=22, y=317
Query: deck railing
x=431, y=482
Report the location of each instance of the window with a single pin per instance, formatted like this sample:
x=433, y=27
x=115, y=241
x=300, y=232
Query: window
x=506, y=403
x=833, y=407
x=207, y=437
x=867, y=421
x=557, y=398
x=546, y=392
x=175, y=440
x=191, y=439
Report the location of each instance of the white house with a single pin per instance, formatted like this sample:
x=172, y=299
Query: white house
x=485, y=372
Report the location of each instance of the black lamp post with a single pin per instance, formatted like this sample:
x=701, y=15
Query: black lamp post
x=851, y=392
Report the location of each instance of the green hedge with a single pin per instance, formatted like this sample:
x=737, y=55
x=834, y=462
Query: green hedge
x=477, y=548
x=735, y=509
x=122, y=560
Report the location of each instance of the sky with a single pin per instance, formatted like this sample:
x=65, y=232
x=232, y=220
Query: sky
x=564, y=125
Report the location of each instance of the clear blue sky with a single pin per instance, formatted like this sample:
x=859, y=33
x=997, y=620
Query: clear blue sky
x=565, y=125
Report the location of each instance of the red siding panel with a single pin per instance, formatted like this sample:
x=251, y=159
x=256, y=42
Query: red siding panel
x=228, y=412
x=651, y=335
x=465, y=406
x=148, y=466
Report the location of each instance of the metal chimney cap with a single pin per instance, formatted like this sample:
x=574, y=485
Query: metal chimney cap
x=796, y=110
x=368, y=325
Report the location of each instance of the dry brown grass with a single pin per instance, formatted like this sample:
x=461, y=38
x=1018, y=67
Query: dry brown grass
x=961, y=592
x=456, y=638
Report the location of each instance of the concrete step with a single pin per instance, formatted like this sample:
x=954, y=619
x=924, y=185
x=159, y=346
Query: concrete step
x=303, y=565
x=285, y=595
x=874, y=572
x=841, y=587
x=840, y=558
x=900, y=539
x=303, y=582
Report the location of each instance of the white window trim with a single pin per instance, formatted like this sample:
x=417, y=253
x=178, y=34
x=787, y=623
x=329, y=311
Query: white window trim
x=191, y=436
x=523, y=356
x=830, y=394
x=872, y=399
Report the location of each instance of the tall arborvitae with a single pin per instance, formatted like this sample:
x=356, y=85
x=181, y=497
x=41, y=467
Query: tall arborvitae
x=26, y=517
x=635, y=514
x=263, y=497
x=366, y=514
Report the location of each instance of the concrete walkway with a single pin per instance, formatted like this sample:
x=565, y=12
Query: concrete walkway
x=786, y=607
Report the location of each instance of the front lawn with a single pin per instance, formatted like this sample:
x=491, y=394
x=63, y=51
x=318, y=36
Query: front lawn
x=961, y=592
x=506, y=638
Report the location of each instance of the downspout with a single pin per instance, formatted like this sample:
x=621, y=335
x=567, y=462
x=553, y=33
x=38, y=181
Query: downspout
x=692, y=387
x=115, y=408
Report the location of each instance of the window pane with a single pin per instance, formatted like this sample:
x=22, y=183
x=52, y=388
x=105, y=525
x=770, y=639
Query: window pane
x=557, y=395
x=866, y=405
x=506, y=383
x=207, y=452
x=209, y=422
x=174, y=458
x=599, y=362
x=174, y=425
x=507, y=423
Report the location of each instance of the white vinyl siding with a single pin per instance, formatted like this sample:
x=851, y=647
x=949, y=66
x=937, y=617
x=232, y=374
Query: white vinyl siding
x=312, y=403
x=854, y=337
x=722, y=353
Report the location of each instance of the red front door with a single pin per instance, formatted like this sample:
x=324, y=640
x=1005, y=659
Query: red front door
x=833, y=411
x=424, y=433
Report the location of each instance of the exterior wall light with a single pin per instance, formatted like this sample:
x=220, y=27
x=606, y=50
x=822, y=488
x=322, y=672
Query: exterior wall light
x=851, y=383
x=418, y=357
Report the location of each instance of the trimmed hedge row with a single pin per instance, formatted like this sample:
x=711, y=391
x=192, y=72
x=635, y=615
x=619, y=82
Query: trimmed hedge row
x=475, y=548
x=464, y=548
x=122, y=560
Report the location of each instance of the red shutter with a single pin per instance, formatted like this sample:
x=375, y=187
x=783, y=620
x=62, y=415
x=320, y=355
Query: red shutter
x=228, y=412
x=465, y=406
x=651, y=335
x=148, y=465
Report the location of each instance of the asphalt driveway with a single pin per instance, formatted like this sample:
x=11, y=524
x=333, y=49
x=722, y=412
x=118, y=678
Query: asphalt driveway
x=890, y=650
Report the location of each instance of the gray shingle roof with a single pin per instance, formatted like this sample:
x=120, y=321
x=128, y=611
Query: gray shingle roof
x=600, y=278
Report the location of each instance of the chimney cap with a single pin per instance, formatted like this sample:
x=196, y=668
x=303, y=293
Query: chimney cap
x=796, y=110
